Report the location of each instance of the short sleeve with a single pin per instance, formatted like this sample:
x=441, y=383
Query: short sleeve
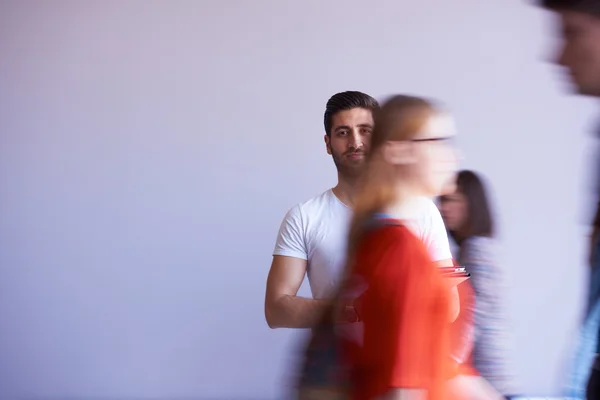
x=435, y=236
x=405, y=316
x=290, y=239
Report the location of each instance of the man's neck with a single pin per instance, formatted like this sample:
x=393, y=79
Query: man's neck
x=345, y=190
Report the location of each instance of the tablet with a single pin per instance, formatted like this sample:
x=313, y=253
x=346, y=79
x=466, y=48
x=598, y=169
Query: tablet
x=453, y=270
x=455, y=274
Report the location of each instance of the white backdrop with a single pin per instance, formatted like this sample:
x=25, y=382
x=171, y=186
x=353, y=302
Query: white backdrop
x=149, y=150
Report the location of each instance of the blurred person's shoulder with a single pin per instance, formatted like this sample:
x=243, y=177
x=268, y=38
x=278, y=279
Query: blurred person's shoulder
x=426, y=208
x=428, y=215
x=391, y=252
x=428, y=226
x=423, y=215
x=479, y=249
x=388, y=235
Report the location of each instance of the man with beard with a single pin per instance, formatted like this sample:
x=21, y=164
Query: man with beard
x=313, y=235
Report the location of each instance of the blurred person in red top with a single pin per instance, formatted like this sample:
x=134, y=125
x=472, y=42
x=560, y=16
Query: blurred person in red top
x=403, y=347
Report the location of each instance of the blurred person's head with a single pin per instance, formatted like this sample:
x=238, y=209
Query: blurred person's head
x=349, y=124
x=579, y=52
x=412, y=154
x=466, y=211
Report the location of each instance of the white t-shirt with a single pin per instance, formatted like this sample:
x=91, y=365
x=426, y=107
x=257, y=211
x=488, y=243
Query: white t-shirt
x=317, y=231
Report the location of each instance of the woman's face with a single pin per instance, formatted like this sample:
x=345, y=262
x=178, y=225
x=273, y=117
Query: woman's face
x=454, y=210
x=436, y=158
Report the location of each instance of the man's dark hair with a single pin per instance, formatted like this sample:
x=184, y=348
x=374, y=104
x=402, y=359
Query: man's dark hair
x=347, y=101
x=591, y=7
x=479, y=220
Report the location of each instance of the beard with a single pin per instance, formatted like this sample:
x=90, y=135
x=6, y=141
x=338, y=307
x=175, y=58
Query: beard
x=348, y=168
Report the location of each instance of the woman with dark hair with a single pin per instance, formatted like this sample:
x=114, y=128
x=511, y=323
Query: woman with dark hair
x=469, y=220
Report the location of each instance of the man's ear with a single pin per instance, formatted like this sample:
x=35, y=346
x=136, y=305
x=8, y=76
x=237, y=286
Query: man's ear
x=398, y=152
x=327, y=144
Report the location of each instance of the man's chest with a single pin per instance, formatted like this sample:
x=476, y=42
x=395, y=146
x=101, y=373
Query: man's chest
x=327, y=246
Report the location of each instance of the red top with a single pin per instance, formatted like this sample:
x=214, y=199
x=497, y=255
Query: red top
x=405, y=310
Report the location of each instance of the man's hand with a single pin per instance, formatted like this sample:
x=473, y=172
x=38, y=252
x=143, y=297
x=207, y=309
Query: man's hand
x=347, y=313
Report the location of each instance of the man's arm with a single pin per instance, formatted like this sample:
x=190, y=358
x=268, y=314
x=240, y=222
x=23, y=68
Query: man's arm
x=283, y=309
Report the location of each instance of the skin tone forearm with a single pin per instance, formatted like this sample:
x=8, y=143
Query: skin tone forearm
x=283, y=308
x=472, y=387
x=295, y=312
x=468, y=387
x=405, y=394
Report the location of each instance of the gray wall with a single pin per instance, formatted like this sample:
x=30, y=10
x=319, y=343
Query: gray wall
x=149, y=149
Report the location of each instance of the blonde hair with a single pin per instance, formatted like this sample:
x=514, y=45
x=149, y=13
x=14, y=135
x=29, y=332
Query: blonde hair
x=400, y=118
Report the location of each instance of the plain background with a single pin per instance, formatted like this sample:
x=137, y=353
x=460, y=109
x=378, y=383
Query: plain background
x=149, y=150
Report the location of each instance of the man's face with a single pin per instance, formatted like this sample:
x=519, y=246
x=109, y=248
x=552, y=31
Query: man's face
x=349, y=140
x=580, y=50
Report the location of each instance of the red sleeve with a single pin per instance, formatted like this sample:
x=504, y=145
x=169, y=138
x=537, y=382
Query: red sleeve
x=463, y=331
x=405, y=315
x=467, y=369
